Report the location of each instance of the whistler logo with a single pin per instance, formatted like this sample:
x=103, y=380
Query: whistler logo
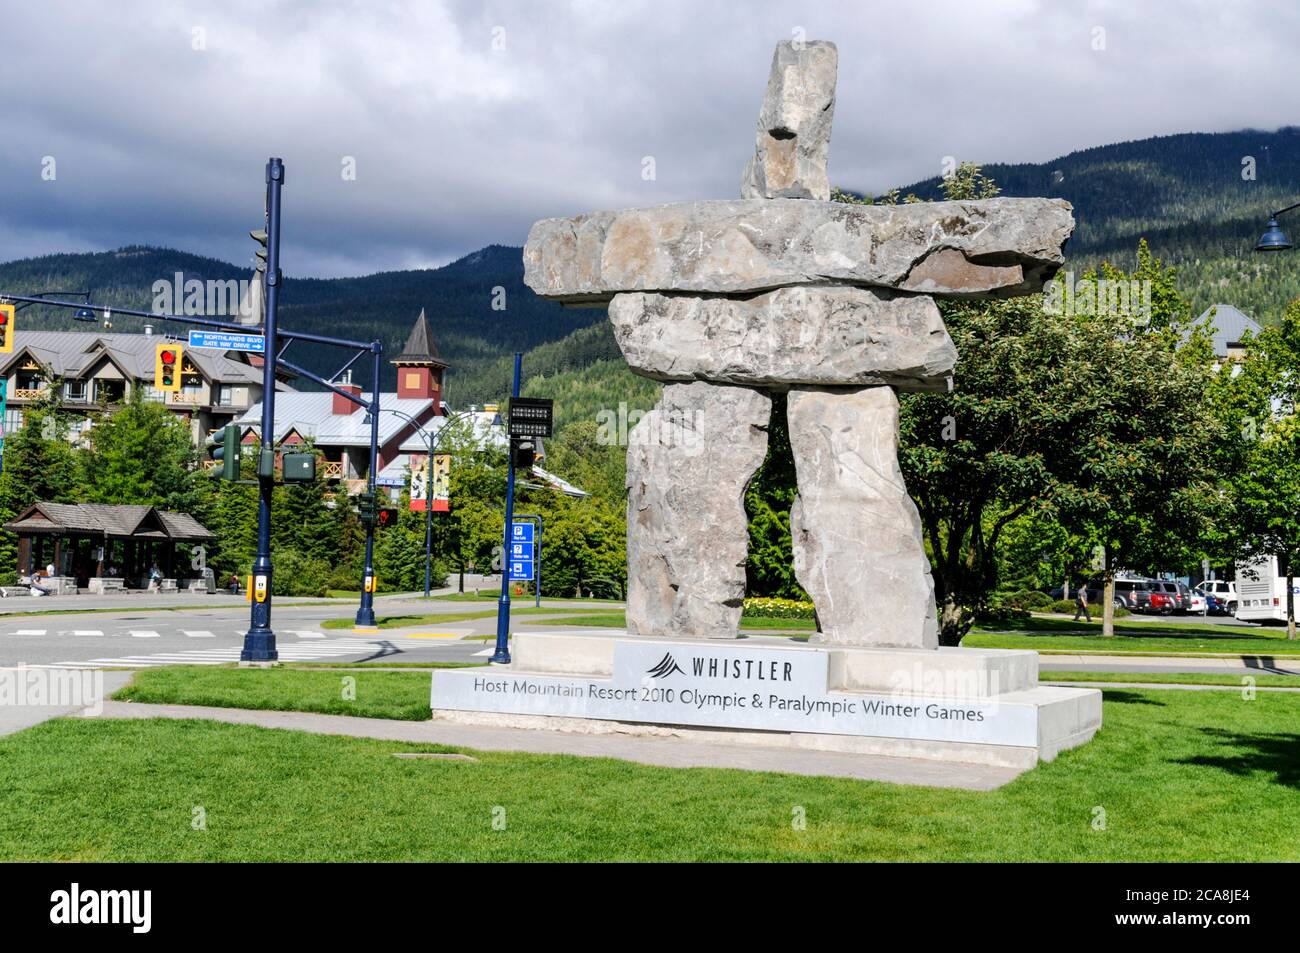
x=664, y=667
x=753, y=669
x=103, y=906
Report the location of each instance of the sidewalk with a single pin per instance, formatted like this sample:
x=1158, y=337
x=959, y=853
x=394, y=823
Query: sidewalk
x=664, y=752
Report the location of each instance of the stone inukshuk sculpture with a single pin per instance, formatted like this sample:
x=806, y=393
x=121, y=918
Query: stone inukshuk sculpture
x=784, y=290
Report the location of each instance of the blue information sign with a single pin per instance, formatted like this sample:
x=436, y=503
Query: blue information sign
x=228, y=341
x=523, y=566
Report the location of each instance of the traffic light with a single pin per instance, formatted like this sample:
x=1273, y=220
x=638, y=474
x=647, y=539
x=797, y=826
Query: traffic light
x=367, y=508
x=228, y=453
x=6, y=328
x=167, y=368
x=386, y=516
x=523, y=451
x=259, y=235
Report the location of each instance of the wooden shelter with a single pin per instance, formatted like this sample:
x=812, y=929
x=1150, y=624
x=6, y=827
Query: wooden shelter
x=84, y=540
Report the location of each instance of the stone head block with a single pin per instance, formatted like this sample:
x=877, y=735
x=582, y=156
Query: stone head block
x=794, y=124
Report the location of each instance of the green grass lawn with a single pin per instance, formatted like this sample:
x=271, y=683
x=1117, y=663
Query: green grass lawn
x=1054, y=634
x=1262, y=679
x=434, y=618
x=400, y=695
x=1180, y=776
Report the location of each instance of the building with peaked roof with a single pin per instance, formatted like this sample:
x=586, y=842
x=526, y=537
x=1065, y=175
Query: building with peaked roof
x=82, y=540
x=96, y=371
x=1228, y=328
x=340, y=429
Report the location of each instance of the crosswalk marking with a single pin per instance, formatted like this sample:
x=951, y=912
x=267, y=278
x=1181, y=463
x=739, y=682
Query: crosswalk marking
x=484, y=652
x=303, y=634
x=199, y=633
x=30, y=632
x=87, y=631
x=144, y=634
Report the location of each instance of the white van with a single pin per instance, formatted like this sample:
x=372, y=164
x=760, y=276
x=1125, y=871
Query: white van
x=1263, y=598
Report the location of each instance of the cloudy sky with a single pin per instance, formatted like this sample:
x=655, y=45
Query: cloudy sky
x=462, y=122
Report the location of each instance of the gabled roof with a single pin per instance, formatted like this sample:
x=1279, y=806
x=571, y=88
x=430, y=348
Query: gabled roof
x=1227, y=325
x=106, y=519
x=420, y=348
x=311, y=415
x=72, y=353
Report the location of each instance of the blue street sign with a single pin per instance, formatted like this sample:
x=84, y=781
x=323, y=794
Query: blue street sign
x=521, y=551
x=521, y=570
x=521, y=533
x=228, y=341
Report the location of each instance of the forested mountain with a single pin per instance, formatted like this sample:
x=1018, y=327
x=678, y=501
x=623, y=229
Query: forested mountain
x=1191, y=196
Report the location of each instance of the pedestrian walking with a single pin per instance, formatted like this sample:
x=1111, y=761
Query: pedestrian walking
x=1081, y=604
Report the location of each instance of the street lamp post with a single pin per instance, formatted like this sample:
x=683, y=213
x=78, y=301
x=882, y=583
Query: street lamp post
x=1274, y=239
x=433, y=440
x=259, y=640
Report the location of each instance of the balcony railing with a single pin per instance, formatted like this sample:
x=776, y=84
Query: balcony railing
x=28, y=393
x=331, y=470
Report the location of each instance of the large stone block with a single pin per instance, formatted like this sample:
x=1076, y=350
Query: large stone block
x=856, y=532
x=802, y=335
x=794, y=125
x=979, y=248
x=688, y=463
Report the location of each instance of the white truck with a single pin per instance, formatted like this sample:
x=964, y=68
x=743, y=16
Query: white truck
x=1261, y=592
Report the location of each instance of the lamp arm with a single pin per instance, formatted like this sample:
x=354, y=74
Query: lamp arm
x=1283, y=211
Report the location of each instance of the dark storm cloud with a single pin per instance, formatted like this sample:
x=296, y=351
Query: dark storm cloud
x=468, y=121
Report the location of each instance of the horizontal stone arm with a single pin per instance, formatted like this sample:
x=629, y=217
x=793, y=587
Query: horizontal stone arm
x=819, y=334
x=988, y=247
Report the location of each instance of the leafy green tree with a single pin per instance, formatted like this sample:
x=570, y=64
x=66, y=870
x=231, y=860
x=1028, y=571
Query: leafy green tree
x=1267, y=493
x=769, y=570
x=39, y=465
x=1259, y=395
x=140, y=454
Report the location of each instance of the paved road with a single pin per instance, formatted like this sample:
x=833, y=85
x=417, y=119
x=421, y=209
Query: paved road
x=126, y=638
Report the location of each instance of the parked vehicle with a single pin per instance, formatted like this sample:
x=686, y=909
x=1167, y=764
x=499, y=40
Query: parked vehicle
x=1131, y=594
x=1181, y=592
x=1199, y=605
x=1262, y=598
x=1213, y=604
x=1222, y=589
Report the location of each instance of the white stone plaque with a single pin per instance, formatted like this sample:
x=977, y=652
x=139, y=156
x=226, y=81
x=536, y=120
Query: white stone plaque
x=772, y=689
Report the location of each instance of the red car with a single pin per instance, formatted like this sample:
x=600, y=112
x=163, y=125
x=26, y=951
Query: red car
x=1161, y=602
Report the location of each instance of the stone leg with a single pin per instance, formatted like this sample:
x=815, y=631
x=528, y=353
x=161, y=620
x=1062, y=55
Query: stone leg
x=688, y=463
x=857, y=534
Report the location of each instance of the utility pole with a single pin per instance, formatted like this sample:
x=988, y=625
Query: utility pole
x=428, y=522
x=502, y=654
x=259, y=641
x=366, y=612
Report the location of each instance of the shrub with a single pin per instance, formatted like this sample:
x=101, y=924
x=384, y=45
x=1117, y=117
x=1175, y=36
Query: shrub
x=767, y=608
x=297, y=575
x=1067, y=606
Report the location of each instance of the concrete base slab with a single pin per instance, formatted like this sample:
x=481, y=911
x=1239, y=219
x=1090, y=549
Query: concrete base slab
x=974, y=706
